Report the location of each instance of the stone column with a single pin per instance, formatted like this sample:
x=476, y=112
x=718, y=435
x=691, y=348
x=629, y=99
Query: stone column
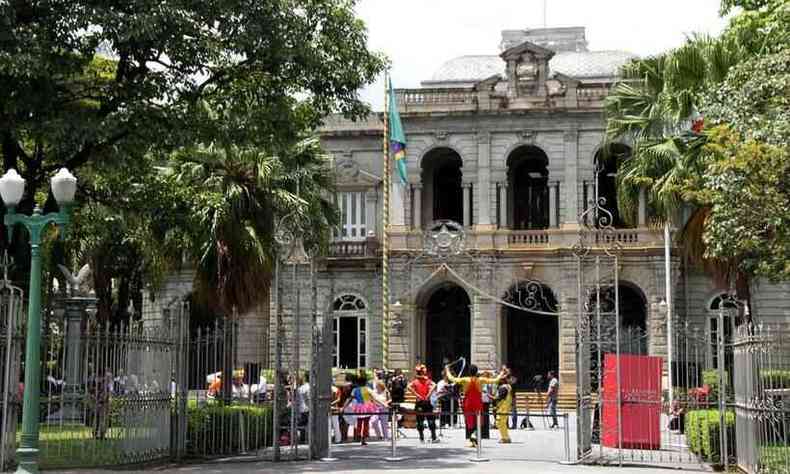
x=76, y=310
x=503, y=217
x=467, y=216
x=483, y=193
x=484, y=342
x=417, y=218
x=552, y=205
x=642, y=207
x=571, y=154
x=567, y=342
x=371, y=201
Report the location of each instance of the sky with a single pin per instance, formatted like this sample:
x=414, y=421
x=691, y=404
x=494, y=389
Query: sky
x=419, y=35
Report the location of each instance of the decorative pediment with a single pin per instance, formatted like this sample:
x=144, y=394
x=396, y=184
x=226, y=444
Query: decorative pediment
x=527, y=69
x=348, y=172
x=527, y=48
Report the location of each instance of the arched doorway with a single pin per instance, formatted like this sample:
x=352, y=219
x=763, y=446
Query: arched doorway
x=633, y=320
x=443, y=193
x=528, y=179
x=531, y=340
x=607, y=163
x=604, y=328
x=448, y=327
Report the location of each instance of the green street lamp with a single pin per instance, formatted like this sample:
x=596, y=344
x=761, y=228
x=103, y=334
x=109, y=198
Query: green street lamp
x=12, y=187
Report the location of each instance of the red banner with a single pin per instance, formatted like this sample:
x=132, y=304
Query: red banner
x=640, y=401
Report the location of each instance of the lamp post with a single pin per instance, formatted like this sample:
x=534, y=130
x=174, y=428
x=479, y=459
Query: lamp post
x=12, y=187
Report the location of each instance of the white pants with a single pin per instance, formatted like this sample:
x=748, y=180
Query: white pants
x=380, y=425
x=336, y=428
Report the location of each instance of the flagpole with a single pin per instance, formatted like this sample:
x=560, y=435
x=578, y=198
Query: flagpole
x=385, y=290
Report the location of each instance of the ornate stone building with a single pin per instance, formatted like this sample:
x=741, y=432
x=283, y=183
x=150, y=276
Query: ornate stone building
x=508, y=146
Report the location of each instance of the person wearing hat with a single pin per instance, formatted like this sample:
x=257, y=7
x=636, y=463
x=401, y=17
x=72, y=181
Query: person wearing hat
x=423, y=387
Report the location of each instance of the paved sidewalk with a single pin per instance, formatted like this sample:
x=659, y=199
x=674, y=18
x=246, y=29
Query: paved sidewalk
x=537, y=451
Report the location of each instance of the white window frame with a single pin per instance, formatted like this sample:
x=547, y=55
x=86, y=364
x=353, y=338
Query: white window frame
x=352, y=206
x=362, y=328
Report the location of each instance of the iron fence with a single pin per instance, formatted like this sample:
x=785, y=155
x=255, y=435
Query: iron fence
x=762, y=398
x=225, y=415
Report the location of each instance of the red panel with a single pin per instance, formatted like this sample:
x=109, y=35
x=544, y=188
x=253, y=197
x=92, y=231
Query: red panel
x=640, y=400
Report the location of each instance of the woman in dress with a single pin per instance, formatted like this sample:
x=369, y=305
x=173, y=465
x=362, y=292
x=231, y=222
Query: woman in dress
x=364, y=406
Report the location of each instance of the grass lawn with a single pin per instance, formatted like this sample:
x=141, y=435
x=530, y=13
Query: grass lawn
x=74, y=446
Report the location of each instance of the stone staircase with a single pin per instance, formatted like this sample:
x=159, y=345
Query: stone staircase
x=537, y=402
x=566, y=401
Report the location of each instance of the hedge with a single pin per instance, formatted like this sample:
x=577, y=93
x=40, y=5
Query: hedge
x=220, y=429
x=702, y=432
x=775, y=378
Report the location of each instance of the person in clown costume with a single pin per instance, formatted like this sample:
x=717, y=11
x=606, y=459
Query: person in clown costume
x=472, y=387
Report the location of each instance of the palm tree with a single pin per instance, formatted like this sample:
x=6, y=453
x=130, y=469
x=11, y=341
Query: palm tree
x=655, y=106
x=239, y=194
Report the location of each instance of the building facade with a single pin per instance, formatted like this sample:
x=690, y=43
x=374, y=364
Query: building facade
x=510, y=148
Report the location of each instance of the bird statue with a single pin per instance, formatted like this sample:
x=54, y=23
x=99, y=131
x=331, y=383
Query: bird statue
x=79, y=285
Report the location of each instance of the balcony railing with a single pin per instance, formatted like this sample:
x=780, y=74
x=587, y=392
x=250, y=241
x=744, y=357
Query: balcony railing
x=528, y=238
x=352, y=248
x=422, y=100
x=624, y=237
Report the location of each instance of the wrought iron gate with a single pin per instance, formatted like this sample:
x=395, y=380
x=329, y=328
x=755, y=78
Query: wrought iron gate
x=597, y=266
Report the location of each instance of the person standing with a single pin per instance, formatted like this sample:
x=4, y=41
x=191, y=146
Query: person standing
x=443, y=394
x=504, y=402
x=303, y=395
x=336, y=415
x=380, y=421
x=472, y=387
x=423, y=387
x=485, y=425
x=551, y=395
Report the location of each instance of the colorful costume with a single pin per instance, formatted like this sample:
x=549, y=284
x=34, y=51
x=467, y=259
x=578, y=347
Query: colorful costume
x=473, y=399
x=364, y=407
x=505, y=402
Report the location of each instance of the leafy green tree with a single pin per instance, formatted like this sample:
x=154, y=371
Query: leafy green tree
x=754, y=99
x=100, y=87
x=654, y=106
x=86, y=81
x=747, y=188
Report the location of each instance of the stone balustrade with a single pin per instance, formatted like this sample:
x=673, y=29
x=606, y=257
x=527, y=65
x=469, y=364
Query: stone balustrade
x=467, y=99
x=351, y=249
x=528, y=238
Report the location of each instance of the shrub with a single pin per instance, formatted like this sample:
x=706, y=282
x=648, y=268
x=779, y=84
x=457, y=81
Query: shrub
x=226, y=429
x=702, y=432
x=711, y=378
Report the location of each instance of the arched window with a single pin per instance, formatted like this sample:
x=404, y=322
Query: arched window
x=731, y=320
x=443, y=195
x=528, y=178
x=607, y=164
x=350, y=331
